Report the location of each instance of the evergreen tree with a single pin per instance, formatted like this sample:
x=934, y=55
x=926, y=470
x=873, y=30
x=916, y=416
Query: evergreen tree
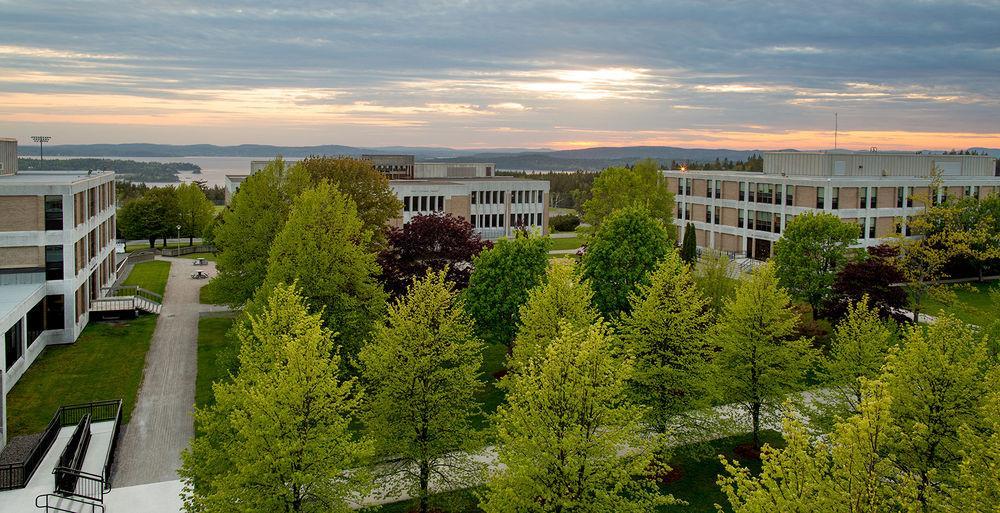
x=560, y=435
x=422, y=369
x=689, y=248
x=620, y=256
x=278, y=436
x=758, y=362
x=665, y=334
x=323, y=248
x=561, y=300
x=500, y=282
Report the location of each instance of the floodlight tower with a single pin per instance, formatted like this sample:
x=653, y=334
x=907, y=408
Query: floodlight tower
x=41, y=139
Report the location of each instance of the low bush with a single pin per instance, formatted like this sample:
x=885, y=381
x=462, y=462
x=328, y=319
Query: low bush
x=564, y=222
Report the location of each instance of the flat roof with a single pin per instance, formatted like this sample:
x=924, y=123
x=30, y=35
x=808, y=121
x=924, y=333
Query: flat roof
x=12, y=296
x=37, y=177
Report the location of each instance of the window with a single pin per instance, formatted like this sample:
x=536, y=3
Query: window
x=907, y=222
x=36, y=321
x=708, y=215
x=861, y=227
x=440, y=203
x=835, y=201
x=680, y=213
x=777, y=223
x=13, y=341
x=763, y=221
x=53, y=262
x=687, y=211
x=53, y=213
x=472, y=199
x=739, y=220
x=743, y=191
x=718, y=189
x=503, y=195
x=472, y=221
x=717, y=217
x=873, y=198
x=900, y=196
x=820, y=200
x=789, y=194
x=708, y=188
x=55, y=310
x=863, y=201
x=871, y=227
x=751, y=189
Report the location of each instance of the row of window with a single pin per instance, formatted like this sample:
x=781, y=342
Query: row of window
x=423, y=203
x=773, y=194
x=47, y=314
x=499, y=197
x=771, y=222
x=499, y=220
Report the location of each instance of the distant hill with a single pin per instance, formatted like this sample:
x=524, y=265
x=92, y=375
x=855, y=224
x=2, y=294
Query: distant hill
x=242, y=150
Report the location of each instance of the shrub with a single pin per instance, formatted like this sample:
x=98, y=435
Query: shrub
x=564, y=222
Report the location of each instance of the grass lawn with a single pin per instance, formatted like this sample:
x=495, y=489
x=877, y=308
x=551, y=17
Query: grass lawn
x=494, y=358
x=566, y=243
x=207, y=256
x=972, y=304
x=151, y=275
x=694, y=484
x=105, y=363
x=215, y=353
x=209, y=294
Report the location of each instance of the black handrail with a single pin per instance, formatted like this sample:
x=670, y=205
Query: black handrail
x=77, y=483
x=72, y=456
x=94, y=507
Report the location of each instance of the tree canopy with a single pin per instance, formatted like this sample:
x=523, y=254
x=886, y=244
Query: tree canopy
x=642, y=185
x=813, y=248
x=194, y=209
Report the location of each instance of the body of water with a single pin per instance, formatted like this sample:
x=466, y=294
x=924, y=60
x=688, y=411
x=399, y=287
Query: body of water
x=213, y=169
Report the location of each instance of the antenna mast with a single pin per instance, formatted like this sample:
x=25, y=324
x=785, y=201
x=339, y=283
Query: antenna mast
x=835, y=130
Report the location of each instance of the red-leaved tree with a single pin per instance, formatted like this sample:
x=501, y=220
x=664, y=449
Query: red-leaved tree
x=430, y=241
x=873, y=275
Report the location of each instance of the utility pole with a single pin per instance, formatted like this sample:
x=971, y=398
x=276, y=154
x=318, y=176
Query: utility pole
x=836, y=128
x=41, y=139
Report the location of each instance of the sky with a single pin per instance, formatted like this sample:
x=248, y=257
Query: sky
x=755, y=74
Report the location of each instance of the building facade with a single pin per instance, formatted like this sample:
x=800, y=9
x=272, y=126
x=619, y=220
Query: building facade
x=496, y=206
x=57, y=241
x=744, y=213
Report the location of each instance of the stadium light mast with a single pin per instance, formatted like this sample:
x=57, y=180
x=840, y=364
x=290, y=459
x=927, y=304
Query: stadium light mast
x=41, y=139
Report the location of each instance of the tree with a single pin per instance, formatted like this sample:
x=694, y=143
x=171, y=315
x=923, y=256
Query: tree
x=860, y=344
x=255, y=216
x=620, y=256
x=979, y=473
x=689, y=248
x=642, y=185
x=499, y=285
x=922, y=262
x=323, y=248
x=716, y=278
x=436, y=242
x=665, y=334
x=937, y=380
x=422, y=369
x=360, y=181
x=167, y=212
x=758, y=362
x=561, y=433
x=195, y=210
x=278, y=437
x=140, y=219
x=875, y=276
x=810, y=253
x=845, y=473
x=563, y=300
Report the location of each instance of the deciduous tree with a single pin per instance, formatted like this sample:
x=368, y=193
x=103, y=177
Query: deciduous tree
x=876, y=276
x=194, y=209
x=716, y=278
x=436, y=242
x=620, y=256
x=642, y=185
x=422, y=370
x=561, y=435
x=759, y=362
x=810, y=253
x=323, y=247
x=278, y=437
x=500, y=282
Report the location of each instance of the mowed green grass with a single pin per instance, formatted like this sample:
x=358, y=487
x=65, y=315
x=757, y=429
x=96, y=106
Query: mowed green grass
x=151, y=276
x=207, y=256
x=695, y=481
x=210, y=295
x=566, y=243
x=105, y=363
x=973, y=303
x=216, y=352
x=491, y=396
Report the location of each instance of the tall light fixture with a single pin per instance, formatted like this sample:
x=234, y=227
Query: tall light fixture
x=41, y=139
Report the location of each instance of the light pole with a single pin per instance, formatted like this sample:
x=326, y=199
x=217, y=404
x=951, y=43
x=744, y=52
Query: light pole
x=178, y=235
x=41, y=139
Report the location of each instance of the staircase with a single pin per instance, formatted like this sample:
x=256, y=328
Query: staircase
x=127, y=298
x=51, y=502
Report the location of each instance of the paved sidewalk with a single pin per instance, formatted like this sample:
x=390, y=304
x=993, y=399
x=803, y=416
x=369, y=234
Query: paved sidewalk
x=161, y=423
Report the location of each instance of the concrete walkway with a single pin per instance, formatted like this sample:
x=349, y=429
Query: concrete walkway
x=161, y=423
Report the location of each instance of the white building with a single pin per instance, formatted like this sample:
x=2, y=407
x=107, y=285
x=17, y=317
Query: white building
x=57, y=236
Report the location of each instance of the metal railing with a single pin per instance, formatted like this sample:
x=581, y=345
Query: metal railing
x=187, y=250
x=17, y=475
x=52, y=502
x=71, y=458
x=127, y=297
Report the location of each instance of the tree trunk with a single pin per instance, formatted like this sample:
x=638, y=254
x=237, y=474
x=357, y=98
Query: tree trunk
x=980, y=269
x=425, y=477
x=755, y=413
x=152, y=243
x=190, y=240
x=916, y=315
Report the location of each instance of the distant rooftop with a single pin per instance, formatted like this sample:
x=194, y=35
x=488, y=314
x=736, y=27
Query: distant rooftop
x=37, y=177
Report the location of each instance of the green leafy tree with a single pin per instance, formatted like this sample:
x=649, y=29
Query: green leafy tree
x=561, y=434
x=922, y=262
x=563, y=300
x=167, y=212
x=937, y=380
x=422, y=369
x=979, y=473
x=323, y=247
x=759, y=362
x=665, y=334
x=500, y=282
x=845, y=473
x=140, y=219
x=716, y=278
x=642, y=185
x=249, y=226
x=622, y=253
x=811, y=252
x=689, y=248
x=278, y=437
x=194, y=209
x=360, y=181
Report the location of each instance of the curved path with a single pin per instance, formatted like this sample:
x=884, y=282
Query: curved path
x=161, y=424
